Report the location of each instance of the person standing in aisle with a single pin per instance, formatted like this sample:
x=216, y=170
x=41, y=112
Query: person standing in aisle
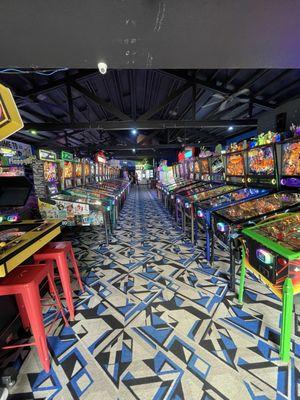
x=136, y=179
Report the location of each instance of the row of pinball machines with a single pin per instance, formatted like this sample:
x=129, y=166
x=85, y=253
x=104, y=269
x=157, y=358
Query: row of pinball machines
x=71, y=195
x=247, y=201
x=78, y=193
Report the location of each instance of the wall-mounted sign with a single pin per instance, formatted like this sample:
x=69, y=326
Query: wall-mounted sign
x=10, y=119
x=100, y=157
x=47, y=155
x=22, y=150
x=66, y=156
x=7, y=152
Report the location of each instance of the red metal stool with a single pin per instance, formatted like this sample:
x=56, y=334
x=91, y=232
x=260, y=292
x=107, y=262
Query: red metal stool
x=58, y=252
x=23, y=282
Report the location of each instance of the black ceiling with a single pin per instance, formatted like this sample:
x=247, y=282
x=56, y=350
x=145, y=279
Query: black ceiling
x=150, y=33
x=84, y=110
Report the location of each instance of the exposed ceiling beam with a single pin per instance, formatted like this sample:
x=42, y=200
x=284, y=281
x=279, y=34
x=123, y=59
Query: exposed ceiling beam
x=108, y=106
x=213, y=88
x=154, y=147
x=151, y=124
x=59, y=83
x=164, y=103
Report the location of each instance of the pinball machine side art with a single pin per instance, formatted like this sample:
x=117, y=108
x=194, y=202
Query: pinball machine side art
x=10, y=119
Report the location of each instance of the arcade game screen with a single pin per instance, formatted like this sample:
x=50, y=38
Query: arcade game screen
x=235, y=164
x=261, y=161
x=86, y=169
x=181, y=169
x=50, y=171
x=197, y=167
x=68, y=169
x=12, y=171
x=254, y=208
x=204, y=166
x=285, y=231
x=291, y=159
x=92, y=169
x=217, y=165
x=78, y=170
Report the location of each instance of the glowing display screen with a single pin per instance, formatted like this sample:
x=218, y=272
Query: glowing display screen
x=78, y=169
x=204, y=166
x=68, y=169
x=50, y=171
x=197, y=167
x=291, y=159
x=217, y=166
x=86, y=169
x=261, y=161
x=235, y=164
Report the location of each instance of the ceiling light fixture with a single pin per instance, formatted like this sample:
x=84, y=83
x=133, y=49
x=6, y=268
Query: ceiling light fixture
x=230, y=128
x=134, y=131
x=133, y=150
x=33, y=131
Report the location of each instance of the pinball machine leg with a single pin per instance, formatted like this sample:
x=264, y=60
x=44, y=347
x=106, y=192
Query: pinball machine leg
x=232, y=267
x=106, y=228
x=192, y=226
x=212, y=248
x=242, y=278
x=207, y=243
x=287, y=316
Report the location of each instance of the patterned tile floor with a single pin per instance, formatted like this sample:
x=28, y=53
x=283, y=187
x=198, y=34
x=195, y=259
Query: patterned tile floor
x=157, y=322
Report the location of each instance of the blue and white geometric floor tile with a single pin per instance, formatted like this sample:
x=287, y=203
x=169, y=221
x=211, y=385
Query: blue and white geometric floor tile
x=157, y=322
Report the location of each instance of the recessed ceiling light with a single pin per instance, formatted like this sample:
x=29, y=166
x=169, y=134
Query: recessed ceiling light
x=230, y=128
x=134, y=131
x=33, y=131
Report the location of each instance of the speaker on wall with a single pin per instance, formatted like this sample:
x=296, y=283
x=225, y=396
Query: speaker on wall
x=281, y=122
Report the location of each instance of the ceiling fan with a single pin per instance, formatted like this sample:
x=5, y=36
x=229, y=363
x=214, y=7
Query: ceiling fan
x=226, y=100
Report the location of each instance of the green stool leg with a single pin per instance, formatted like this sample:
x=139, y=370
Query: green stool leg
x=287, y=315
x=243, y=276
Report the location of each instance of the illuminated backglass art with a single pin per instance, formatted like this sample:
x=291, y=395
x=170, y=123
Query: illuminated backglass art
x=204, y=166
x=261, y=161
x=235, y=164
x=50, y=171
x=86, y=169
x=68, y=169
x=78, y=170
x=291, y=159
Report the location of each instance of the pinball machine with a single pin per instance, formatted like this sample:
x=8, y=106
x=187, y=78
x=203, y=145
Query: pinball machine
x=78, y=172
x=271, y=251
x=201, y=183
x=67, y=175
x=261, y=174
x=235, y=179
x=86, y=172
x=229, y=221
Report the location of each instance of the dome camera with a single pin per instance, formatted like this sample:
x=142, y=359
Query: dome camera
x=102, y=66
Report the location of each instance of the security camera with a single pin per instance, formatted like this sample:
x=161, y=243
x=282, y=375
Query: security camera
x=102, y=66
